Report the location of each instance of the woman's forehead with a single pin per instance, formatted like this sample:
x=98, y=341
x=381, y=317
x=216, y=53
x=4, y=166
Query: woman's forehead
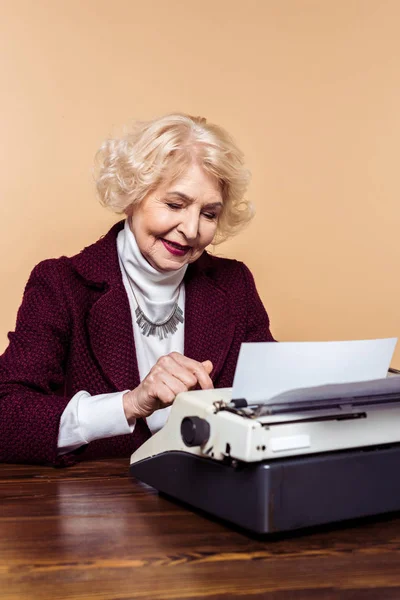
x=194, y=183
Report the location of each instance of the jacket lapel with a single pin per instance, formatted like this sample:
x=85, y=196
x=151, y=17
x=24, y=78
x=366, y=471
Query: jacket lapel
x=209, y=326
x=111, y=337
x=109, y=321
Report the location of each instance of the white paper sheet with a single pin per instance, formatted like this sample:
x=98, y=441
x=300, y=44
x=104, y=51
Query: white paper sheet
x=265, y=370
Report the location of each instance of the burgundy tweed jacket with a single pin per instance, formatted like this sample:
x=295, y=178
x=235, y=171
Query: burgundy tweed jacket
x=74, y=332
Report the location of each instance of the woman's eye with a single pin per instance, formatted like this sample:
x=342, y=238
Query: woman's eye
x=210, y=216
x=174, y=206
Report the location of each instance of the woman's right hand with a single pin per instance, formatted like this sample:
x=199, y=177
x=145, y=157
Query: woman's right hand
x=172, y=374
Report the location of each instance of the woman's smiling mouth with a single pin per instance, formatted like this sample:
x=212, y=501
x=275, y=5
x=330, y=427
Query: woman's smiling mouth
x=175, y=248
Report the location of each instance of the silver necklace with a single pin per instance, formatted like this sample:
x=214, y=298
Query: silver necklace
x=159, y=328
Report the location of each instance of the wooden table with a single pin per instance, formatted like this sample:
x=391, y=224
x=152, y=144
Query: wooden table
x=91, y=532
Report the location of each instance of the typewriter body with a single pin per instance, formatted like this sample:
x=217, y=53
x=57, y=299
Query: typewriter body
x=307, y=457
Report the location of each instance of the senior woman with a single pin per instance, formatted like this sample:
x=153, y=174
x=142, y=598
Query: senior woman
x=106, y=339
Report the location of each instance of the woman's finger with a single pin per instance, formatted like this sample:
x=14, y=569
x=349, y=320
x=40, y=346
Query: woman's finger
x=197, y=368
x=163, y=394
x=174, y=383
x=168, y=364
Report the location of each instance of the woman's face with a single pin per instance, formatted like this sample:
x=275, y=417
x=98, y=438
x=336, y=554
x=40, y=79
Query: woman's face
x=174, y=224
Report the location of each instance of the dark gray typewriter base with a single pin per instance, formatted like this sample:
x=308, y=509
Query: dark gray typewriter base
x=281, y=495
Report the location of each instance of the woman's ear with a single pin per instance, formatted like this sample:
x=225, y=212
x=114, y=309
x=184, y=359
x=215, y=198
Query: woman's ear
x=128, y=211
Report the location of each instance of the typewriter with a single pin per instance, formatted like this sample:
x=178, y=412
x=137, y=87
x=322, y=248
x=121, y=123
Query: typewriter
x=308, y=457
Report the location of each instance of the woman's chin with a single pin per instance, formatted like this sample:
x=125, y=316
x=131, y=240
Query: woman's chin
x=169, y=264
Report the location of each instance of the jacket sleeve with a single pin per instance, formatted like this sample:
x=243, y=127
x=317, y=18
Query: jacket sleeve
x=32, y=372
x=258, y=326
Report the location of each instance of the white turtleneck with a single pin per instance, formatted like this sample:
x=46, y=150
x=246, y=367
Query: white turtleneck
x=156, y=293
x=87, y=417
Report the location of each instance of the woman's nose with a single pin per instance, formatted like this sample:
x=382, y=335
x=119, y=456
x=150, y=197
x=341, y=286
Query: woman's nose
x=189, y=225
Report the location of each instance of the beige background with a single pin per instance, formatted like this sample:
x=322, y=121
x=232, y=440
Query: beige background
x=309, y=88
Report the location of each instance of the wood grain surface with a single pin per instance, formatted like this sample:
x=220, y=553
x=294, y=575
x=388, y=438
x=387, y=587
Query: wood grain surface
x=92, y=532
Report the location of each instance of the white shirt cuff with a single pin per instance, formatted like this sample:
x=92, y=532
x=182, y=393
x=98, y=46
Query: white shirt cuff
x=87, y=418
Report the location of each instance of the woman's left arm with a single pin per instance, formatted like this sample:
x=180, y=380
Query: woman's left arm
x=258, y=325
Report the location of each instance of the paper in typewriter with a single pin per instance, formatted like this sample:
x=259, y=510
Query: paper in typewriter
x=265, y=370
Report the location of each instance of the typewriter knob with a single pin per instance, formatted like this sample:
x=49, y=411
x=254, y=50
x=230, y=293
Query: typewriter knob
x=195, y=431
